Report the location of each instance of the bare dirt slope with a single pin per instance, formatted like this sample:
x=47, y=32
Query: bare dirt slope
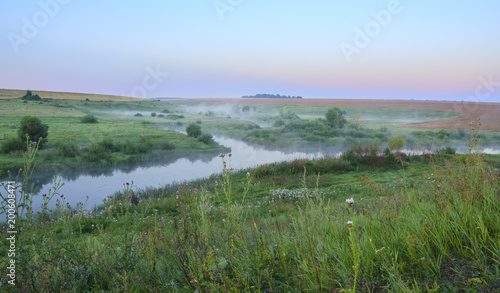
x=489, y=113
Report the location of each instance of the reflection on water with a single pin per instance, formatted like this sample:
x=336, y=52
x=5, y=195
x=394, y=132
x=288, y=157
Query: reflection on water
x=98, y=183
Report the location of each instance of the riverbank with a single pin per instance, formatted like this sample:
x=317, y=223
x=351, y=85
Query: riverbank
x=125, y=132
x=278, y=227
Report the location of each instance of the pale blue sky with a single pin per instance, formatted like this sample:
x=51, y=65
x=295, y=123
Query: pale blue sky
x=424, y=50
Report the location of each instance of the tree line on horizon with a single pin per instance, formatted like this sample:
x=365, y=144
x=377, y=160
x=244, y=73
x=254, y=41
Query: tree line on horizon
x=272, y=96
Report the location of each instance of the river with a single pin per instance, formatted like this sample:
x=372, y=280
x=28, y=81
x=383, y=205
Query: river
x=98, y=183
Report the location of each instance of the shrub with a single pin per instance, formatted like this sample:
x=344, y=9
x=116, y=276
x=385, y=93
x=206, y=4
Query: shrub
x=108, y=145
x=161, y=115
x=138, y=115
x=12, y=145
x=96, y=153
x=198, y=122
x=89, y=118
x=153, y=114
x=206, y=138
x=193, y=130
x=33, y=127
x=245, y=109
x=278, y=122
x=262, y=171
x=164, y=145
x=174, y=116
x=68, y=150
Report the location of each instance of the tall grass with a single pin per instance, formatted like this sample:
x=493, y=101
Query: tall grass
x=441, y=235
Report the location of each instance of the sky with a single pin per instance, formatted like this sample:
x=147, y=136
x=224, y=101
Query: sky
x=388, y=49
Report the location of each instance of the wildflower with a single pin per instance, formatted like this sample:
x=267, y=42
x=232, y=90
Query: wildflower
x=127, y=183
x=350, y=201
x=29, y=148
x=110, y=196
x=62, y=195
x=349, y=224
x=222, y=155
x=160, y=220
x=33, y=142
x=130, y=196
x=229, y=155
x=136, y=213
x=75, y=211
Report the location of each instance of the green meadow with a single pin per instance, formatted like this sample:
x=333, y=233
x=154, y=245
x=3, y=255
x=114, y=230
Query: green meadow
x=372, y=220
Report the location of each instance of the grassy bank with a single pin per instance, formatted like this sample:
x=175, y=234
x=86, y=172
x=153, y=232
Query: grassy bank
x=120, y=136
x=359, y=223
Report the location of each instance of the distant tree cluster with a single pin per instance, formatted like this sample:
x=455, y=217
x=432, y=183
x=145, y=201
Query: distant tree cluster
x=30, y=97
x=271, y=96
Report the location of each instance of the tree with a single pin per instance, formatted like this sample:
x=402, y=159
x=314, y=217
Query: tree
x=30, y=97
x=396, y=143
x=33, y=127
x=245, y=109
x=335, y=118
x=193, y=130
x=206, y=138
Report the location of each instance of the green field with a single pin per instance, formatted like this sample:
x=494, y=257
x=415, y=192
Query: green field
x=372, y=220
x=119, y=137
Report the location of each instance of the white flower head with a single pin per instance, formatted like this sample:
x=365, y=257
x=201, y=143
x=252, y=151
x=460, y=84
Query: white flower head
x=350, y=201
x=349, y=224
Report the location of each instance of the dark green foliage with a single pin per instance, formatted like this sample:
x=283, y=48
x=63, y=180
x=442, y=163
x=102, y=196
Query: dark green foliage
x=193, y=130
x=278, y=122
x=335, y=118
x=164, y=145
x=166, y=111
x=133, y=148
x=161, y=115
x=68, y=150
x=245, y=109
x=461, y=132
x=206, y=138
x=30, y=97
x=33, y=127
x=138, y=115
x=174, y=116
x=12, y=144
x=447, y=151
x=89, y=118
x=153, y=114
x=198, y=122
